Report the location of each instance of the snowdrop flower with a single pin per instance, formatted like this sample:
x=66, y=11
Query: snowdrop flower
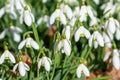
x=94, y=21
x=9, y=8
x=76, y=11
x=27, y=16
x=67, y=10
x=20, y=4
x=44, y=1
x=97, y=1
x=111, y=25
x=15, y=33
x=107, y=40
x=46, y=62
x=66, y=31
x=82, y=69
x=7, y=55
x=84, y=11
x=44, y=19
x=28, y=42
x=23, y=67
x=109, y=8
x=64, y=45
x=115, y=58
x=58, y=15
x=81, y=32
x=97, y=39
x=71, y=2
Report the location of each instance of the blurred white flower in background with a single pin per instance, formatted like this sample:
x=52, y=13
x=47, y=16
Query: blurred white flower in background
x=15, y=31
x=44, y=19
x=97, y=1
x=82, y=69
x=46, y=62
x=109, y=8
x=96, y=39
x=28, y=42
x=9, y=8
x=23, y=67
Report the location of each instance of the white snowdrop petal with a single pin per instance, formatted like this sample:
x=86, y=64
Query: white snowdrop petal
x=2, y=35
x=116, y=62
x=34, y=44
x=27, y=18
x=59, y=45
x=77, y=35
x=66, y=31
x=2, y=12
x=47, y=65
x=85, y=70
x=95, y=44
x=100, y=39
x=117, y=35
x=79, y=71
x=90, y=13
x=39, y=63
x=19, y=30
x=22, y=69
x=21, y=18
x=21, y=45
x=15, y=67
x=26, y=67
x=39, y=21
x=2, y=58
x=63, y=18
x=69, y=12
x=67, y=47
x=107, y=55
x=111, y=26
x=11, y=57
x=90, y=40
x=52, y=18
x=16, y=37
x=87, y=33
x=49, y=60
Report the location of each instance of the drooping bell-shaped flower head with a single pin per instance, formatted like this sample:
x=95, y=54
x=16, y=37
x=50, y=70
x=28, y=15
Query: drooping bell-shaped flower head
x=58, y=15
x=81, y=32
x=14, y=30
x=64, y=45
x=28, y=42
x=27, y=16
x=7, y=55
x=96, y=39
x=22, y=67
x=82, y=69
x=46, y=62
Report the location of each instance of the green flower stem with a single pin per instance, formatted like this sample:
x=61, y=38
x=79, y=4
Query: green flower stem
x=35, y=33
x=89, y=51
x=47, y=76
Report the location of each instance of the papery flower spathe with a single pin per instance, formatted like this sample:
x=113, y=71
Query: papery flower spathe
x=7, y=55
x=64, y=45
x=59, y=15
x=15, y=31
x=115, y=58
x=28, y=42
x=81, y=32
x=96, y=39
x=82, y=69
x=46, y=62
x=27, y=16
x=23, y=67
